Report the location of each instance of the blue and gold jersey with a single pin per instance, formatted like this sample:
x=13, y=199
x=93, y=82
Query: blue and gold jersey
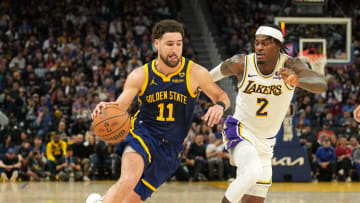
x=167, y=102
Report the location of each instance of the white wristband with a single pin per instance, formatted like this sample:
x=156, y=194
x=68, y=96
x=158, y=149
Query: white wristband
x=216, y=73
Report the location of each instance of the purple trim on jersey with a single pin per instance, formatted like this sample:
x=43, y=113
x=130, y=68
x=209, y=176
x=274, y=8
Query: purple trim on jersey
x=264, y=183
x=232, y=132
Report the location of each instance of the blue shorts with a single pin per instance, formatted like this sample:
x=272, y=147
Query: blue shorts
x=161, y=159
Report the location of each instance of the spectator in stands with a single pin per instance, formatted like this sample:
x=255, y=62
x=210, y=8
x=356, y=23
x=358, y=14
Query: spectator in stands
x=319, y=106
x=9, y=166
x=55, y=150
x=63, y=131
x=300, y=127
x=6, y=144
x=42, y=122
x=38, y=143
x=354, y=142
x=23, y=152
x=343, y=160
x=69, y=167
x=101, y=161
x=334, y=141
x=325, y=131
x=82, y=152
x=354, y=129
x=37, y=165
x=346, y=117
x=196, y=158
x=326, y=161
x=214, y=150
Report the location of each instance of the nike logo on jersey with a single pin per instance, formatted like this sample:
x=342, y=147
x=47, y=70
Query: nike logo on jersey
x=251, y=75
x=277, y=77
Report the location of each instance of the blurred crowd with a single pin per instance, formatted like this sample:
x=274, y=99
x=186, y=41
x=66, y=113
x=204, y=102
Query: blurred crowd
x=58, y=59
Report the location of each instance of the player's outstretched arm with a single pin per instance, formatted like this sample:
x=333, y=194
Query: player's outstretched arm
x=296, y=73
x=202, y=79
x=231, y=66
x=133, y=85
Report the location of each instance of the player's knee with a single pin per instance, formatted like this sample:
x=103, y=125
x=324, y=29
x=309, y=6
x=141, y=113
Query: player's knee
x=129, y=179
x=253, y=170
x=256, y=172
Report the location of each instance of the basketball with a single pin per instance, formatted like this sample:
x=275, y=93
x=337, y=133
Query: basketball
x=112, y=125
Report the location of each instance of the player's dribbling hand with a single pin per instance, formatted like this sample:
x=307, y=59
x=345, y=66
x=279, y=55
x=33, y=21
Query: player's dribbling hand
x=357, y=114
x=289, y=76
x=99, y=107
x=213, y=115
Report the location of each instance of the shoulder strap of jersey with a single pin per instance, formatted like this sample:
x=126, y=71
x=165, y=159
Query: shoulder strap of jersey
x=147, y=68
x=246, y=67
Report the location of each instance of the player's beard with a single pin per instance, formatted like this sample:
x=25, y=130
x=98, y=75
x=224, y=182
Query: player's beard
x=169, y=63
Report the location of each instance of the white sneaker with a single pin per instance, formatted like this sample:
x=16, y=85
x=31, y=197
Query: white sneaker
x=341, y=172
x=348, y=179
x=94, y=198
x=4, y=177
x=85, y=178
x=14, y=176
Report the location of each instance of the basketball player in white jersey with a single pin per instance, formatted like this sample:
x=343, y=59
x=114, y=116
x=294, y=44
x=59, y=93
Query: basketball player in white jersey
x=266, y=83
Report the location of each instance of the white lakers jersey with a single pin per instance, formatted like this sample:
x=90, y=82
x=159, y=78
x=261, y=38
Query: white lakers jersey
x=263, y=100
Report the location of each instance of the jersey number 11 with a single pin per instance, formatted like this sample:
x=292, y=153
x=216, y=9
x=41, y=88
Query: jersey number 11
x=170, y=108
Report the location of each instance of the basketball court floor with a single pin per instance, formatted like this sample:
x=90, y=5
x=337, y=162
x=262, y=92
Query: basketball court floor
x=176, y=192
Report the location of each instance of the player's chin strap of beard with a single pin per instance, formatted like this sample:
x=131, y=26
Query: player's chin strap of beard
x=269, y=31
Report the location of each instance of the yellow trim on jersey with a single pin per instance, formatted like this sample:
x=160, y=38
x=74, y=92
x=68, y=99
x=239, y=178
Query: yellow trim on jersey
x=287, y=87
x=164, y=77
x=192, y=94
x=147, y=184
x=245, y=72
x=241, y=134
x=133, y=119
x=268, y=76
x=146, y=80
x=142, y=144
x=264, y=182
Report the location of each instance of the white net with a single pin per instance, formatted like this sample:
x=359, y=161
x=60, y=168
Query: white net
x=316, y=61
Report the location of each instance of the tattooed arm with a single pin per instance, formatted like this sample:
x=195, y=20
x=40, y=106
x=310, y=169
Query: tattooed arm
x=296, y=73
x=231, y=66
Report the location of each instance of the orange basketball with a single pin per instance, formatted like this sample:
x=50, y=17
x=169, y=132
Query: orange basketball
x=112, y=125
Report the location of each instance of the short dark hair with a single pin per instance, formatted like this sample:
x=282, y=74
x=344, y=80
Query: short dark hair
x=165, y=26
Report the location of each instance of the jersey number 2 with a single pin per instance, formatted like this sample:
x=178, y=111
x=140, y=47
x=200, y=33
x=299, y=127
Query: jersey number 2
x=263, y=104
x=161, y=117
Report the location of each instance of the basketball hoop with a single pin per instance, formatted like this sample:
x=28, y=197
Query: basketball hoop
x=316, y=61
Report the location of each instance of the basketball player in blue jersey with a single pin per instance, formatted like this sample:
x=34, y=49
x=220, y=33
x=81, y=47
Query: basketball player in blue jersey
x=167, y=88
x=267, y=79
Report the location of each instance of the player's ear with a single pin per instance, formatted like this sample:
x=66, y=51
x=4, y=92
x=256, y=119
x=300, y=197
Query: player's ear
x=156, y=43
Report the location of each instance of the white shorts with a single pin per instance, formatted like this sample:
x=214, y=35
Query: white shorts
x=265, y=148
